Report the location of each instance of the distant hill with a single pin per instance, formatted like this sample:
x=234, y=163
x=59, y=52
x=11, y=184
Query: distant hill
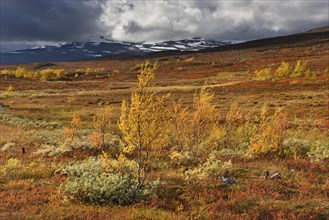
x=100, y=48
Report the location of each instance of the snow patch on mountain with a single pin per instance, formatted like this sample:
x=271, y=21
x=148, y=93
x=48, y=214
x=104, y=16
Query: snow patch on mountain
x=103, y=47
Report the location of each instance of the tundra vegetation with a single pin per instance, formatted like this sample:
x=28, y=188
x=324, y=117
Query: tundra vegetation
x=285, y=70
x=163, y=157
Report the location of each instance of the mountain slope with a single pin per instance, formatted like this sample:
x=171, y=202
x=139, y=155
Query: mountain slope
x=102, y=48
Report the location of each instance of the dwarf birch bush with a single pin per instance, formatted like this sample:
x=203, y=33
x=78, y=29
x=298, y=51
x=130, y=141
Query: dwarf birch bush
x=196, y=130
x=263, y=74
x=45, y=74
x=301, y=69
x=269, y=136
x=236, y=128
x=283, y=71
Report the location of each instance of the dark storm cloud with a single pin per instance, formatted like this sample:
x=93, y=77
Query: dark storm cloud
x=44, y=21
x=28, y=21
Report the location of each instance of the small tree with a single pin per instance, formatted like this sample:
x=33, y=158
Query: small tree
x=101, y=124
x=70, y=132
x=144, y=121
x=268, y=139
x=193, y=129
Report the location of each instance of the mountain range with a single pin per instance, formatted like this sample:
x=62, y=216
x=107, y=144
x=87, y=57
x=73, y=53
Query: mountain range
x=102, y=48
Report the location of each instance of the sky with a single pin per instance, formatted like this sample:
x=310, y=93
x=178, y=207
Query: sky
x=27, y=23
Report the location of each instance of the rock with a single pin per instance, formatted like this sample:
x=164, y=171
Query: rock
x=276, y=176
x=266, y=174
x=227, y=180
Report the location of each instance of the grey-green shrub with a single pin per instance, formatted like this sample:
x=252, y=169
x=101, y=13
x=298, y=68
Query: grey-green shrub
x=91, y=181
x=319, y=151
x=296, y=147
x=213, y=168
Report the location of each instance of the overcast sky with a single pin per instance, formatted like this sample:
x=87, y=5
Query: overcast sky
x=26, y=23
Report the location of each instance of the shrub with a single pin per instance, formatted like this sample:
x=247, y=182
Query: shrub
x=89, y=70
x=263, y=74
x=196, y=130
x=7, y=72
x=181, y=158
x=236, y=128
x=52, y=74
x=301, y=69
x=283, y=71
x=101, y=124
x=46, y=74
x=269, y=136
x=10, y=88
x=7, y=146
x=213, y=168
x=106, y=180
x=25, y=122
x=70, y=132
x=296, y=147
x=13, y=168
x=20, y=71
x=52, y=150
x=319, y=151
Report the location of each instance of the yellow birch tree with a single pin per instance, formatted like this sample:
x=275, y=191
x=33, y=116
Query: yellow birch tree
x=144, y=121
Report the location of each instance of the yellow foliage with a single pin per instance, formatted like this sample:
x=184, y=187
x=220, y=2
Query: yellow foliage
x=89, y=70
x=101, y=123
x=268, y=139
x=51, y=74
x=96, y=140
x=20, y=71
x=10, y=88
x=263, y=74
x=7, y=72
x=196, y=130
x=234, y=115
x=283, y=71
x=235, y=127
x=143, y=120
x=189, y=59
x=46, y=74
x=301, y=69
x=121, y=165
x=70, y=132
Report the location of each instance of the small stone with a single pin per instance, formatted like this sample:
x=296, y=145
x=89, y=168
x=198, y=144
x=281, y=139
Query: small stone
x=276, y=176
x=229, y=181
x=266, y=174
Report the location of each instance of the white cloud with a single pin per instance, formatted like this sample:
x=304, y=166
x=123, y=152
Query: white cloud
x=30, y=22
x=159, y=20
